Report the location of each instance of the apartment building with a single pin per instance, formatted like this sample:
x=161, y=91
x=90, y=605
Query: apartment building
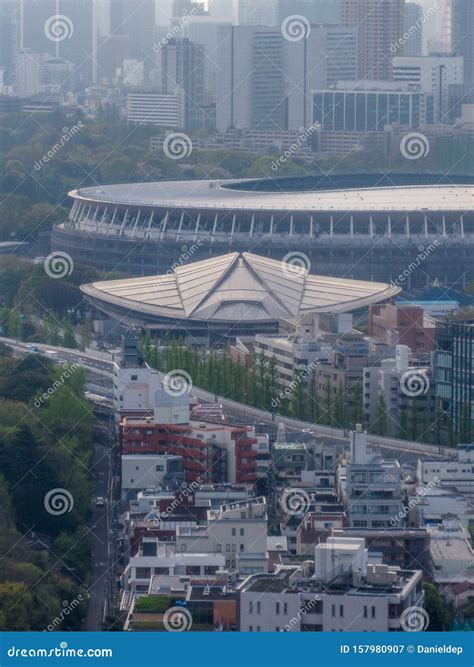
x=237, y=532
x=448, y=473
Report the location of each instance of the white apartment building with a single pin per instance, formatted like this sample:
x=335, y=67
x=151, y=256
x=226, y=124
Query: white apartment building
x=237, y=531
x=392, y=380
x=29, y=72
x=374, y=488
x=159, y=567
x=455, y=474
x=451, y=552
x=145, y=471
x=153, y=108
x=339, y=591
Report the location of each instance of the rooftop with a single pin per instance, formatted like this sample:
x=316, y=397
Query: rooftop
x=237, y=287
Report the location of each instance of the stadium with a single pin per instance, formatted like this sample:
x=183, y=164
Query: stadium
x=365, y=226
x=237, y=294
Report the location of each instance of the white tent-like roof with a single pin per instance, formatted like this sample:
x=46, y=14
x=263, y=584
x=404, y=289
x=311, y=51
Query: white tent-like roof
x=236, y=287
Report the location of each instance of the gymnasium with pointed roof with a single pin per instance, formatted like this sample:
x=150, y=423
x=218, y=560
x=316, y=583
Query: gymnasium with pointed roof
x=237, y=294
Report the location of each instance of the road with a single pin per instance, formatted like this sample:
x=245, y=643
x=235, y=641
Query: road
x=101, y=574
x=246, y=412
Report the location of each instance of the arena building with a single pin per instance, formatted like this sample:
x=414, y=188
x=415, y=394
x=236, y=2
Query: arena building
x=366, y=226
x=228, y=296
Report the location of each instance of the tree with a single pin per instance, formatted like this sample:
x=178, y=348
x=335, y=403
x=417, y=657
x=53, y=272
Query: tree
x=441, y=618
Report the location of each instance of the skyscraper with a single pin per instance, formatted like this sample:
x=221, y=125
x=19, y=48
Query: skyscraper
x=64, y=29
x=136, y=20
x=9, y=37
x=463, y=36
x=316, y=11
x=380, y=24
x=413, y=27
x=251, y=87
x=182, y=66
x=258, y=12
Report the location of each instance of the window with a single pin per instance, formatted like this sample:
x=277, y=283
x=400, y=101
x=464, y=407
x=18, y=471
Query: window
x=250, y=628
x=251, y=607
x=333, y=611
x=159, y=468
x=258, y=628
x=133, y=378
x=161, y=570
x=219, y=548
x=234, y=532
x=227, y=547
x=242, y=531
x=259, y=607
x=373, y=612
x=365, y=612
x=143, y=572
x=241, y=547
x=233, y=548
x=341, y=610
x=277, y=608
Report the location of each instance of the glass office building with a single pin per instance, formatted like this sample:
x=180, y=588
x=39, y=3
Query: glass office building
x=454, y=374
x=371, y=111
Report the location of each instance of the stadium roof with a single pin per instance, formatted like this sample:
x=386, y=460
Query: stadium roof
x=250, y=195
x=236, y=287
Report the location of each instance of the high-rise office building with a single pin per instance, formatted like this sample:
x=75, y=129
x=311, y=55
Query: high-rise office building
x=182, y=67
x=463, y=36
x=9, y=38
x=258, y=12
x=251, y=86
x=326, y=56
x=413, y=28
x=136, y=20
x=454, y=372
x=432, y=74
x=380, y=25
x=64, y=29
x=316, y=11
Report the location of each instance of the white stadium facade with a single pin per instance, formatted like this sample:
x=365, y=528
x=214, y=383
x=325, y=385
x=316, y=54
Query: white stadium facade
x=362, y=226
